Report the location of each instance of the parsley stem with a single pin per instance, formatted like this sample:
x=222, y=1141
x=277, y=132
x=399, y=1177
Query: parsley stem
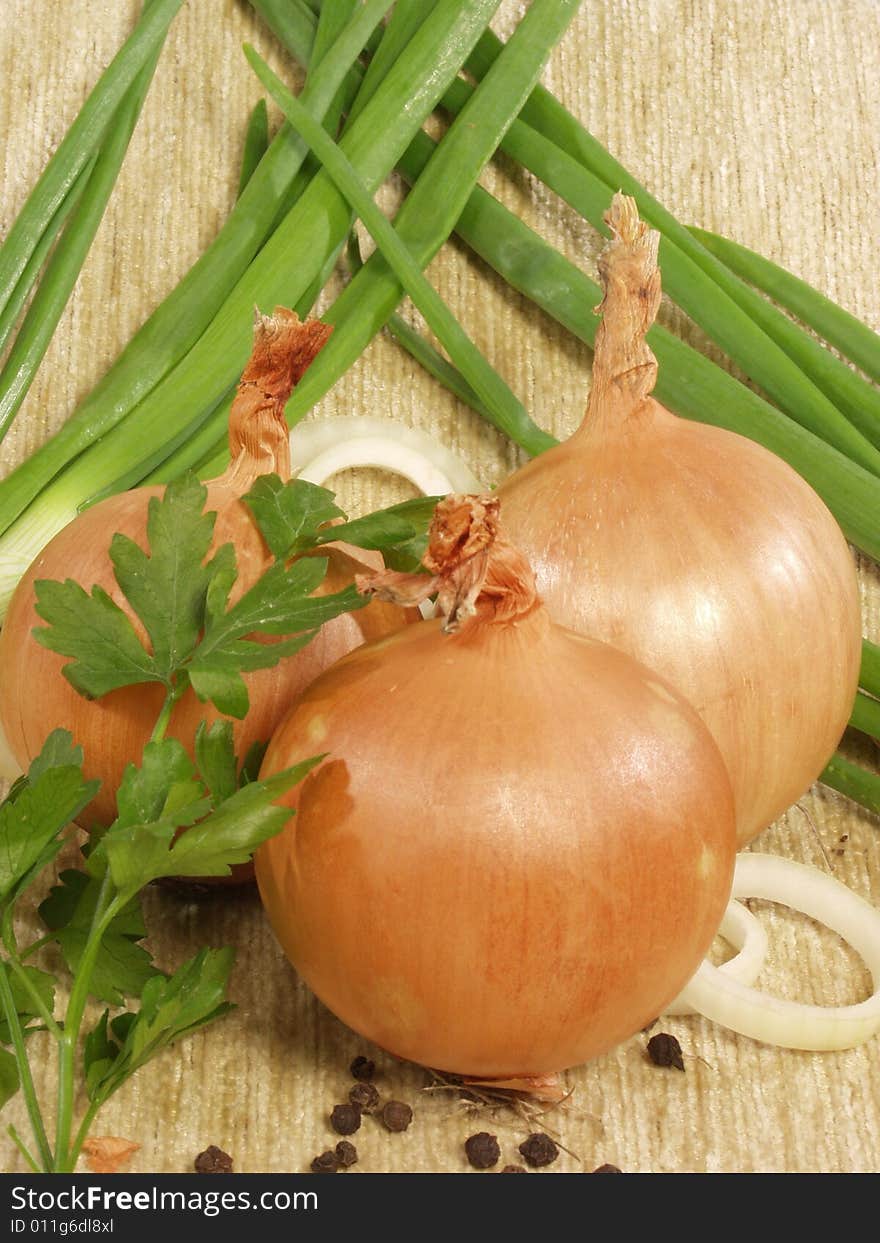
x=24, y=1068
x=171, y=698
x=22, y=1148
x=14, y=962
x=106, y=908
x=84, y=1127
x=32, y=949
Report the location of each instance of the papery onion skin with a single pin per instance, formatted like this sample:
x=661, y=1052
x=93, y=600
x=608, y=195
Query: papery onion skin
x=704, y=556
x=519, y=847
x=34, y=695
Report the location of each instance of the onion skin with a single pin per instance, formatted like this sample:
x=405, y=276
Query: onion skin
x=518, y=850
x=701, y=554
x=34, y=695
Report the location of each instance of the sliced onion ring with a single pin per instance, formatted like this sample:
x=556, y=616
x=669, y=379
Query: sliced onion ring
x=746, y=934
x=326, y=446
x=379, y=452
x=773, y=1020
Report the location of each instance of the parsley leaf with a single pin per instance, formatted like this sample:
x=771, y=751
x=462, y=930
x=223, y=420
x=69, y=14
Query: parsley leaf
x=139, y=853
x=8, y=1076
x=386, y=528
x=252, y=762
x=215, y=759
x=99, y=1054
x=44, y=986
x=107, y=654
x=292, y=517
x=122, y=967
x=170, y=1007
x=232, y=833
x=38, y=808
x=58, y=751
x=280, y=603
x=167, y=587
x=164, y=787
x=289, y=514
x=194, y=634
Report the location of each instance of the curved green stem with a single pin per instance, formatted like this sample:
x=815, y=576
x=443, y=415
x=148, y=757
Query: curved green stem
x=106, y=908
x=14, y=961
x=164, y=717
x=35, y=946
x=28, y=1090
x=83, y=1130
x=22, y=1148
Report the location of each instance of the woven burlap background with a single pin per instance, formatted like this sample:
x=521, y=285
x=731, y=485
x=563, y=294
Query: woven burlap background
x=757, y=118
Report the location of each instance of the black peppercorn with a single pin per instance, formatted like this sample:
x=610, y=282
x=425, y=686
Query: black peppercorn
x=213, y=1161
x=345, y=1119
x=664, y=1050
x=365, y=1097
x=397, y=1115
x=327, y=1163
x=482, y=1150
x=347, y=1153
x=539, y=1149
x=607, y=1169
x=362, y=1068
x=514, y=1169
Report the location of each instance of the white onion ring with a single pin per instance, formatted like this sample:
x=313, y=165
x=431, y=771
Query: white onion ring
x=380, y=452
x=773, y=1020
x=329, y=445
x=746, y=934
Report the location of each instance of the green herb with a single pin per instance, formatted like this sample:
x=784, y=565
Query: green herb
x=425, y=221
x=121, y=966
x=290, y=513
x=81, y=142
x=294, y=517
x=869, y=674
x=855, y=340
x=856, y=782
x=182, y=598
x=90, y=199
x=688, y=382
x=856, y=399
x=30, y=276
x=290, y=261
x=750, y=332
x=37, y=809
x=175, y=326
x=486, y=382
x=866, y=715
x=256, y=143
x=176, y=815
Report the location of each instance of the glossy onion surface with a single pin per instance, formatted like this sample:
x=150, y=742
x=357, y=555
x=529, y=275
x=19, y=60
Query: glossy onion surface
x=517, y=851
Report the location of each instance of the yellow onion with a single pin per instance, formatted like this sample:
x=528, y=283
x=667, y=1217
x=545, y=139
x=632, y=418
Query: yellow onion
x=698, y=552
x=521, y=842
x=35, y=697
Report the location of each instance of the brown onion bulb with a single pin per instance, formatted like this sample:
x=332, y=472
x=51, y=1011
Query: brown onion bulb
x=521, y=843
x=698, y=552
x=35, y=697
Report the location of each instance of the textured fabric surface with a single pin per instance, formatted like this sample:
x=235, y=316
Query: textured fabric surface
x=760, y=120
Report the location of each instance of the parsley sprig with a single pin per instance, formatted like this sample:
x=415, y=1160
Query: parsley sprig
x=178, y=814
